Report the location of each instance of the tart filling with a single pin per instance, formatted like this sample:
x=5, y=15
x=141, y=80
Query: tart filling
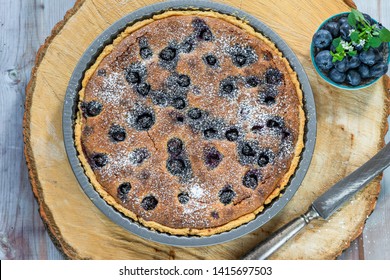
x=190, y=122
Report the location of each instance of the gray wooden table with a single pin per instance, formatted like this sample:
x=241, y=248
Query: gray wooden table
x=24, y=25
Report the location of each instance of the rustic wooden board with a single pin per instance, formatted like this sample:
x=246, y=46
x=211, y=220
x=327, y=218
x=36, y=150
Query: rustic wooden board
x=351, y=128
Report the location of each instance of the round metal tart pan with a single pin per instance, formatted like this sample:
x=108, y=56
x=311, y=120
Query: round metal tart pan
x=70, y=110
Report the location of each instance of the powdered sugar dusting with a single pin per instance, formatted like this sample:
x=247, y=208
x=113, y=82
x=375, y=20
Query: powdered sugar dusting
x=113, y=88
x=263, y=114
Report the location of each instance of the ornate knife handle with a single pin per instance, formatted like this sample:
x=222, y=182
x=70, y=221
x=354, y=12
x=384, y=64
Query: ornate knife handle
x=281, y=236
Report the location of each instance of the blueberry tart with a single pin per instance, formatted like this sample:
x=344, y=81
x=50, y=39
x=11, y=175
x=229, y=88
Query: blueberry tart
x=196, y=125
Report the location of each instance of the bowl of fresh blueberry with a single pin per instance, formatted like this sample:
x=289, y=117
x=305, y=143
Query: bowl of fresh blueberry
x=351, y=50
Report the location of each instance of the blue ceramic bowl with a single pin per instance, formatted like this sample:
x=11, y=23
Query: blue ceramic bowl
x=366, y=82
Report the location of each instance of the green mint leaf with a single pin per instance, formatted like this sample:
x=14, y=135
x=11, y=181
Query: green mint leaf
x=374, y=42
x=352, y=19
x=336, y=42
x=352, y=53
x=339, y=57
x=355, y=36
x=333, y=56
x=384, y=34
x=359, y=16
x=339, y=48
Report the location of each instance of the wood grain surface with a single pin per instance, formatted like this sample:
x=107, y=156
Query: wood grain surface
x=22, y=235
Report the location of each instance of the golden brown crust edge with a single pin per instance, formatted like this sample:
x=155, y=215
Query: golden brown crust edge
x=188, y=231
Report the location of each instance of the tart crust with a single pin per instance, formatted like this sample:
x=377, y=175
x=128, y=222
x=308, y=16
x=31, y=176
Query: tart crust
x=197, y=229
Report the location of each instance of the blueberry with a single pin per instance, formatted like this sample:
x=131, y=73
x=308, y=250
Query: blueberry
x=364, y=71
x=342, y=20
x=342, y=65
x=227, y=87
x=353, y=62
x=345, y=29
x=133, y=77
x=205, y=34
x=337, y=76
x=202, y=30
x=188, y=45
x=379, y=69
x=353, y=78
x=265, y=156
x=266, y=98
x=242, y=55
x=257, y=128
x=378, y=55
x=215, y=214
x=368, y=57
x=135, y=73
x=211, y=60
x=145, y=52
x=145, y=121
x=273, y=76
x=252, y=81
x=177, y=116
x=210, y=133
x=333, y=27
x=333, y=48
x=268, y=95
x=175, y=146
x=149, y=203
x=239, y=60
x=183, y=198
x=123, y=190
x=180, y=119
x=263, y=160
x=139, y=155
x=93, y=108
x=275, y=123
x=359, y=48
x=143, y=89
x=226, y=195
x=212, y=157
x=176, y=166
x=286, y=135
x=101, y=72
x=322, y=38
x=194, y=113
x=251, y=179
x=168, y=54
x=117, y=133
x=178, y=103
x=100, y=159
x=183, y=80
x=247, y=150
x=232, y=134
x=324, y=60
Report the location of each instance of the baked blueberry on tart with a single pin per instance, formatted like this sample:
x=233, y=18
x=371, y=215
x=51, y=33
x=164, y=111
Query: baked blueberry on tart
x=190, y=122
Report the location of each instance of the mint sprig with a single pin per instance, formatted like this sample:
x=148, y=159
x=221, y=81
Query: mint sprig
x=364, y=34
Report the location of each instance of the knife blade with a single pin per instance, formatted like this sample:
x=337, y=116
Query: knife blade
x=325, y=205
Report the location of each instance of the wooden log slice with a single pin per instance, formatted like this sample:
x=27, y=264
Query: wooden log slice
x=351, y=128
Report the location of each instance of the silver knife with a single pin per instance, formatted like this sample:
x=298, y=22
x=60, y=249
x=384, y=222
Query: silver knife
x=325, y=205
